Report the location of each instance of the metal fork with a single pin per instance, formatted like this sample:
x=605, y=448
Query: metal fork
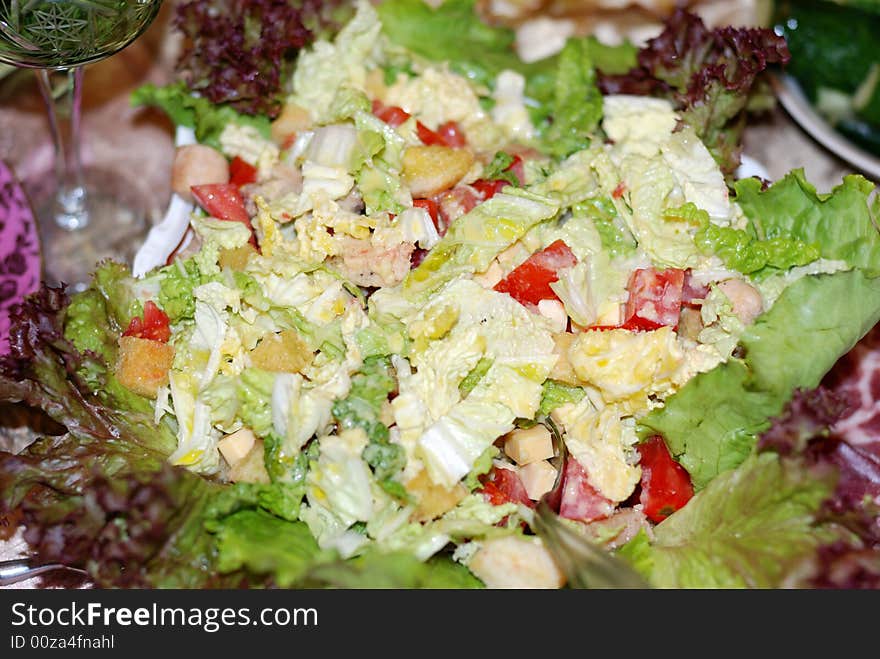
x=20, y=569
x=584, y=563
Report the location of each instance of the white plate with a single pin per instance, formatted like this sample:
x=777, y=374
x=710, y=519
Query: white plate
x=793, y=99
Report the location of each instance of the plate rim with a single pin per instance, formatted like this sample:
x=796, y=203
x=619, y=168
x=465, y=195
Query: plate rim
x=795, y=102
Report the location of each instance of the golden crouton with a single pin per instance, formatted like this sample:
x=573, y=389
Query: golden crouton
x=236, y=258
x=284, y=352
x=143, y=364
x=433, y=499
x=428, y=170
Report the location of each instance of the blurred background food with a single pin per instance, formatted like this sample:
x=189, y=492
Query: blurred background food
x=541, y=23
x=836, y=61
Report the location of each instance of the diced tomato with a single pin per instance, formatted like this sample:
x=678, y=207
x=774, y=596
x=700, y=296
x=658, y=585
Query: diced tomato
x=654, y=299
x=529, y=282
x=488, y=188
x=428, y=136
x=502, y=486
x=154, y=324
x=447, y=134
x=432, y=207
x=241, y=172
x=692, y=293
x=619, y=190
x=390, y=114
x=580, y=500
x=223, y=201
x=666, y=485
x=451, y=134
x=453, y=204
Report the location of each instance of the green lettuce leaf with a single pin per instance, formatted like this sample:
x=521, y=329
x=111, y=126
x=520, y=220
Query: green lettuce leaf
x=840, y=223
x=556, y=394
x=741, y=249
x=792, y=345
x=184, y=109
x=450, y=32
x=362, y=408
x=176, y=286
x=816, y=320
x=569, y=117
x=255, y=541
x=749, y=528
x=391, y=570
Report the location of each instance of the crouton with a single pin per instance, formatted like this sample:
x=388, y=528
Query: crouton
x=236, y=259
x=428, y=170
x=143, y=364
x=433, y=499
x=284, y=352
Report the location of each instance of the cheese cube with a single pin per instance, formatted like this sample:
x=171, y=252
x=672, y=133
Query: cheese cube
x=563, y=370
x=529, y=445
x=538, y=478
x=491, y=276
x=516, y=562
x=554, y=311
x=237, y=445
x=251, y=468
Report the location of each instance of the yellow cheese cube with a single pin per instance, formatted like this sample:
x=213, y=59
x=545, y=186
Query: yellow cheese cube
x=234, y=447
x=529, y=445
x=251, y=468
x=563, y=370
x=538, y=478
x=554, y=311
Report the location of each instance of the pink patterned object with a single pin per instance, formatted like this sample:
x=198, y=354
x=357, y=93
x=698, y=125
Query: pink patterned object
x=19, y=250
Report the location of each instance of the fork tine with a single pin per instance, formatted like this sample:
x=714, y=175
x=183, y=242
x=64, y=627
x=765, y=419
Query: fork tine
x=585, y=564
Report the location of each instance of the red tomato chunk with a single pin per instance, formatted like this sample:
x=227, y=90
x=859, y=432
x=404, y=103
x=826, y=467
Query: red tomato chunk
x=502, y=486
x=529, y=282
x=666, y=485
x=241, y=172
x=654, y=299
x=154, y=324
x=390, y=114
x=223, y=201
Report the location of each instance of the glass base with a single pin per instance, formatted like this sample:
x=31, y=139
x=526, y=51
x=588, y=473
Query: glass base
x=118, y=219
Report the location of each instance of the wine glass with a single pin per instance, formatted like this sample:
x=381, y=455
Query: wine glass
x=90, y=214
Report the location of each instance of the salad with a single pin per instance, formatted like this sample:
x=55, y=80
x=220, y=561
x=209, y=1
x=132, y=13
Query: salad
x=409, y=271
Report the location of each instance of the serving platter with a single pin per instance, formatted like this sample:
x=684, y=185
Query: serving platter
x=798, y=106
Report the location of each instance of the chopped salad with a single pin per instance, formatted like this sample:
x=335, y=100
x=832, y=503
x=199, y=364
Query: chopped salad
x=393, y=296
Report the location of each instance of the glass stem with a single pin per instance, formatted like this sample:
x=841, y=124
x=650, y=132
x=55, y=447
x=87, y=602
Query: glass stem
x=70, y=210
